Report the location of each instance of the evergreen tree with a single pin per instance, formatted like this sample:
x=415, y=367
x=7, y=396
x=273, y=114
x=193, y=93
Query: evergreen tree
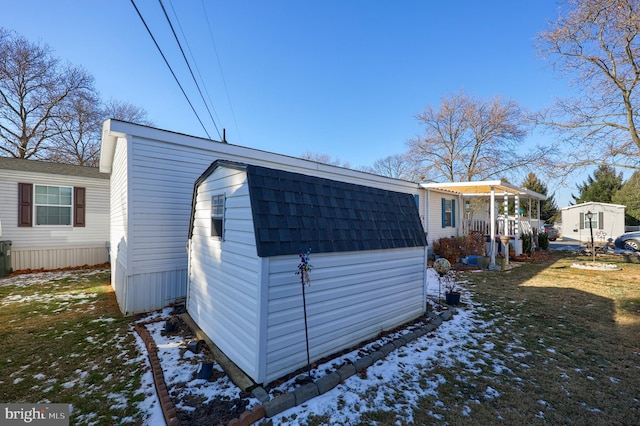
x=600, y=187
x=548, y=207
x=629, y=195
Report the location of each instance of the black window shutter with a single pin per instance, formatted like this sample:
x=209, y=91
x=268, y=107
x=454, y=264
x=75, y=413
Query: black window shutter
x=581, y=220
x=444, y=213
x=25, y=204
x=600, y=220
x=78, y=207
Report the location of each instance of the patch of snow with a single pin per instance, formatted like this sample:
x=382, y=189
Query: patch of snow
x=491, y=393
x=101, y=319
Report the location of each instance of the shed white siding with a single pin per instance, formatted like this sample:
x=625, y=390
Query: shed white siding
x=154, y=171
x=352, y=297
x=224, y=283
x=608, y=222
x=57, y=246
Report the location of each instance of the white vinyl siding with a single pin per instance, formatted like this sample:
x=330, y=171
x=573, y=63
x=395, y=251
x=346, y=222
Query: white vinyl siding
x=223, y=283
x=52, y=247
x=119, y=224
x=352, y=297
x=435, y=231
x=158, y=172
x=252, y=309
x=607, y=222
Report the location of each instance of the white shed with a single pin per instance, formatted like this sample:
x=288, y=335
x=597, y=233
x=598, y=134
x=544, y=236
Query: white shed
x=249, y=224
x=607, y=221
x=55, y=215
x=152, y=172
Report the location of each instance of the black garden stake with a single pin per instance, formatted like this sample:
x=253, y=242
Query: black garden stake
x=303, y=270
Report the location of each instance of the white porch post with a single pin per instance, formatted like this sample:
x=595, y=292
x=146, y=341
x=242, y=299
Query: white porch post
x=492, y=214
x=517, y=243
x=506, y=226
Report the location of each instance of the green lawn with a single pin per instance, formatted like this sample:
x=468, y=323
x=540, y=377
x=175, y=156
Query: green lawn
x=546, y=344
x=64, y=341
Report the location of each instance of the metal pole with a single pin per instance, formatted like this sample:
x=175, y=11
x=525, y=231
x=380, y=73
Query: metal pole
x=306, y=329
x=593, y=247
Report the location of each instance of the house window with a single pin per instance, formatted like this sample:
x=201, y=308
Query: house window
x=597, y=221
x=217, y=216
x=53, y=205
x=448, y=213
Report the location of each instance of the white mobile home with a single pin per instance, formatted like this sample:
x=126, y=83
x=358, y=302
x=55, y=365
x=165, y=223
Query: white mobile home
x=248, y=226
x=55, y=215
x=443, y=218
x=607, y=221
x=152, y=173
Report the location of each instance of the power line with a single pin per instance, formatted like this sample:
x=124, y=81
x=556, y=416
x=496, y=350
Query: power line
x=224, y=82
x=170, y=69
x=188, y=66
x=184, y=36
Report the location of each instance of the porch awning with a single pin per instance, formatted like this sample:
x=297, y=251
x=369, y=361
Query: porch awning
x=482, y=188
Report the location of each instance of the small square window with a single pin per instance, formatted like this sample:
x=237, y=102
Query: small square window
x=53, y=205
x=217, y=216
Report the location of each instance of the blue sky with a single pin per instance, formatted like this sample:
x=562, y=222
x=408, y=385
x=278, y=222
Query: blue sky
x=344, y=78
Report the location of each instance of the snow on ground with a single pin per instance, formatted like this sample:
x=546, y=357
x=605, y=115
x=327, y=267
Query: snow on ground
x=395, y=383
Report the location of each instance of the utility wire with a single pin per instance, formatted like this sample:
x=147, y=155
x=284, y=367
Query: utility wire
x=195, y=63
x=224, y=82
x=170, y=69
x=188, y=66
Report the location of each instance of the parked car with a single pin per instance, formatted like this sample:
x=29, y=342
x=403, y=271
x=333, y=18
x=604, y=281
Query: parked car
x=628, y=241
x=551, y=231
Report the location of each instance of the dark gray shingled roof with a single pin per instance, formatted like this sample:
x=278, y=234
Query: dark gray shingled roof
x=47, y=167
x=294, y=212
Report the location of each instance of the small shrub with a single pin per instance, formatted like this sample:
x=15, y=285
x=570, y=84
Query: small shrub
x=526, y=243
x=543, y=241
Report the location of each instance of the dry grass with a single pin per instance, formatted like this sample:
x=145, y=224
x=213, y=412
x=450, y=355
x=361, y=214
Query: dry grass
x=552, y=345
x=64, y=341
x=569, y=341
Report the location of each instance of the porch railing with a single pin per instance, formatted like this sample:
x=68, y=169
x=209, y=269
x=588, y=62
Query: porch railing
x=503, y=227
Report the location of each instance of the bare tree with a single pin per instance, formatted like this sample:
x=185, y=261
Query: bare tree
x=325, y=159
x=471, y=139
x=126, y=112
x=397, y=166
x=596, y=45
x=79, y=126
x=34, y=85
